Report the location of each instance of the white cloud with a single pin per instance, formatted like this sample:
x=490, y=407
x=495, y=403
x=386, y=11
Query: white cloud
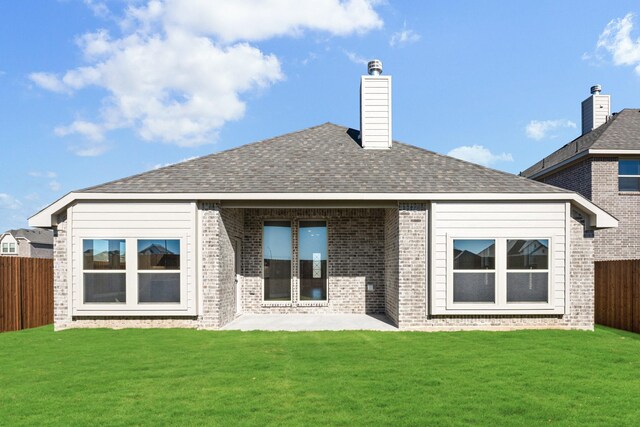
x=178, y=71
x=253, y=20
x=48, y=81
x=540, y=129
x=7, y=201
x=38, y=174
x=355, y=58
x=403, y=37
x=616, y=40
x=161, y=165
x=480, y=155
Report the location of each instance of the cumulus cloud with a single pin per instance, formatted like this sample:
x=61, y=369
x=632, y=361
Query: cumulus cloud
x=177, y=72
x=480, y=155
x=617, y=41
x=540, y=129
x=403, y=37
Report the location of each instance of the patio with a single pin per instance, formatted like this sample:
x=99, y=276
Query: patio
x=310, y=322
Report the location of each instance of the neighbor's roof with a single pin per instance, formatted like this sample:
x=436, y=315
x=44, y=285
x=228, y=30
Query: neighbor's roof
x=323, y=159
x=621, y=132
x=37, y=236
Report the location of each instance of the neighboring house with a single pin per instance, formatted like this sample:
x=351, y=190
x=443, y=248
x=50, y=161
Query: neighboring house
x=603, y=165
x=35, y=243
x=325, y=220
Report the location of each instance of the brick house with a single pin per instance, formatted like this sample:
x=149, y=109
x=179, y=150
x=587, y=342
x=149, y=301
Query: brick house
x=603, y=165
x=325, y=220
x=36, y=243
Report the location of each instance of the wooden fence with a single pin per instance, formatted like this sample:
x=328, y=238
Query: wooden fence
x=617, y=294
x=26, y=293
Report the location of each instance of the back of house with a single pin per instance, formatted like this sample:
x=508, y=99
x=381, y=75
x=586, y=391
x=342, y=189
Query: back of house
x=326, y=220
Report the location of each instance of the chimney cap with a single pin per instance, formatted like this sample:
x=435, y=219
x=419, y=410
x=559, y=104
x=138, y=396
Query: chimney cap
x=374, y=67
x=596, y=89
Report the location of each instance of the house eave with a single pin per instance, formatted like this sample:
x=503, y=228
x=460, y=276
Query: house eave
x=578, y=156
x=47, y=217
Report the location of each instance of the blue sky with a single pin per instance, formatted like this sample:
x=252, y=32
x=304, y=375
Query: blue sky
x=92, y=91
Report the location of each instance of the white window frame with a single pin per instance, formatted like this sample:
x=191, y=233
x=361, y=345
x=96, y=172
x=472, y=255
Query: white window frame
x=132, y=306
x=9, y=245
x=501, y=271
x=626, y=176
x=289, y=302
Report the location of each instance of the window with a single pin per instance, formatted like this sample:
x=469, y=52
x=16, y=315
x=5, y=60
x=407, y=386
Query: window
x=500, y=273
x=104, y=271
x=629, y=175
x=9, y=248
x=132, y=273
x=474, y=271
x=277, y=255
x=158, y=271
x=527, y=270
x=313, y=260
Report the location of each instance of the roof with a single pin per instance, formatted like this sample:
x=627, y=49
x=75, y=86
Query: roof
x=323, y=159
x=36, y=236
x=621, y=132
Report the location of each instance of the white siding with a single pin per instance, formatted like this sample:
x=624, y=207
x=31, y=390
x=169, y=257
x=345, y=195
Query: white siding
x=595, y=111
x=498, y=220
x=375, y=111
x=137, y=220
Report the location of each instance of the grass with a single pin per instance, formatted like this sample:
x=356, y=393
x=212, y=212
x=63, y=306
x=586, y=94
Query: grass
x=187, y=377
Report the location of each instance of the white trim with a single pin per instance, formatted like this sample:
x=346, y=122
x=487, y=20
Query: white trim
x=591, y=151
x=567, y=258
x=131, y=271
x=598, y=217
x=501, y=271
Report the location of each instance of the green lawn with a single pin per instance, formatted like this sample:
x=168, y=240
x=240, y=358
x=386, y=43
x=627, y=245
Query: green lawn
x=160, y=377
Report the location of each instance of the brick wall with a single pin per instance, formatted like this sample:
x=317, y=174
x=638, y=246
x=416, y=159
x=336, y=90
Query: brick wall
x=391, y=254
x=412, y=264
x=622, y=242
x=356, y=258
x=575, y=178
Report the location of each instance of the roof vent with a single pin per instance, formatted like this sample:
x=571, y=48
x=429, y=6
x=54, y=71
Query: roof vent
x=375, y=67
x=595, y=90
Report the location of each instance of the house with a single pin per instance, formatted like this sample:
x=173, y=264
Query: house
x=603, y=165
x=36, y=243
x=325, y=220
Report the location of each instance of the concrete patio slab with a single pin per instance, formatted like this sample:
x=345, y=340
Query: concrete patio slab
x=310, y=322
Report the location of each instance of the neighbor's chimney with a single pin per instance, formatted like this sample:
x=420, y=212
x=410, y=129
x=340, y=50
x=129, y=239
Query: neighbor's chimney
x=375, y=108
x=596, y=109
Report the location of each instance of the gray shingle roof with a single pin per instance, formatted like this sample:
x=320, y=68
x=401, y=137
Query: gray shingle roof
x=37, y=236
x=621, y=132
x=323, y=159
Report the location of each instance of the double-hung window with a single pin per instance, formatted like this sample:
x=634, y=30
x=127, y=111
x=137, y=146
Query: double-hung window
x=104, y=271
x=9, y=248
x=131, y=273
x=499, y=273
x=629, y=175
